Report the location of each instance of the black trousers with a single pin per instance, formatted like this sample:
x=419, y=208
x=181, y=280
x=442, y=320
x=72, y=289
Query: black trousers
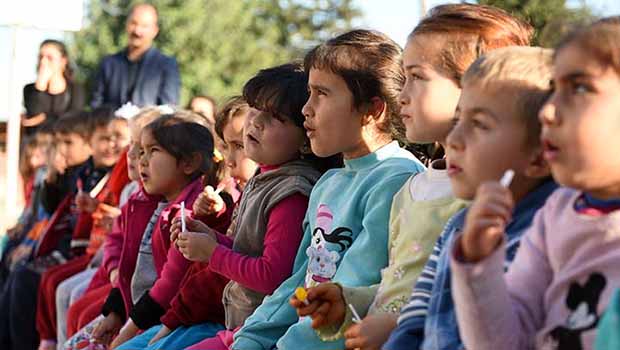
x=18, y=304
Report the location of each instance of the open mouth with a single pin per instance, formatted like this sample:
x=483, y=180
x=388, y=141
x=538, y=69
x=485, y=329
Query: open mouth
x=550, y=151
x=309, y=131
x=144, y=177
x=454, y=169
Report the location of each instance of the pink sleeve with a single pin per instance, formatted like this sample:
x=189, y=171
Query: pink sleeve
x=167, y=285
x=497, y=310
x=114, y=244
x=173, y=270
x=265, y=273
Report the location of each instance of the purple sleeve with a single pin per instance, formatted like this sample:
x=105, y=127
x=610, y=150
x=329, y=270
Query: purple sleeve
x=265, y=273
x=497, y=311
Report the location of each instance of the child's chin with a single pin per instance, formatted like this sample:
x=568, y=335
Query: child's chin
x=148, y=189
x=463, y=192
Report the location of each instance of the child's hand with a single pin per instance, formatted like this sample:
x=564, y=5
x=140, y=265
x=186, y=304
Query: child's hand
x=192, y=225
x=128, y=331
x=196, y=246
x=163, y=332
x=105, y=331
x=326, y=305
x=84, y=202
x=485, y=221
x=372, y=333
x=208, y=203
x=105, y=215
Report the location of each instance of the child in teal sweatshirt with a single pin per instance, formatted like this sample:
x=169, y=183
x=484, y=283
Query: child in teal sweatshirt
x=352, y=110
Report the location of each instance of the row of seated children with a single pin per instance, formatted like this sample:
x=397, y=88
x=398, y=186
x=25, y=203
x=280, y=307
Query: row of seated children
x=86, y=147
x=144, y=273
x=107, y=138
x=358, y=237
x=559, y=248
x=33, y=168
x=265, y=249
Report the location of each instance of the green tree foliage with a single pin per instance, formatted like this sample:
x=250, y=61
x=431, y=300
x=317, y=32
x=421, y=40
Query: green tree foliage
x=218, y=44
x=551, y=18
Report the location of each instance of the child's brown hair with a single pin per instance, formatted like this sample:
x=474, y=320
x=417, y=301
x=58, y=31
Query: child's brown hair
x=235, y=106
x=183, y=138
x=370, y=64
x=282, y=91
x=600, y=39
x=467, y=31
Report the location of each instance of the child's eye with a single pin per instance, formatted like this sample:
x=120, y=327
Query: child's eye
x=238, y=146
x=478, y=124
x=581, y=88
x=414, y=77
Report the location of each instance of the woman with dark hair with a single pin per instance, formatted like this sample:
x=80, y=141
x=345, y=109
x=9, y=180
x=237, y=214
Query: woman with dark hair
x=54, y=92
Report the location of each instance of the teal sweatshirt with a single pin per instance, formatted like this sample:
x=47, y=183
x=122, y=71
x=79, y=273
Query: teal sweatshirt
x=345, y=240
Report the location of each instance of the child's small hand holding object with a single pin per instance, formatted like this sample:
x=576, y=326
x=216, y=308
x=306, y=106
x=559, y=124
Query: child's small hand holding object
x=105, y=215
x=209, y=202
x=323, y=303
x=486, y=220
x=371, y=333
x=85, y=202
x=191, y=224
x=196, y=246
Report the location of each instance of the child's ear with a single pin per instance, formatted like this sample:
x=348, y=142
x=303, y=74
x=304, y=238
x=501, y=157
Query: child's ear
x=192, y=163
x=374, y=110
x=537, y=166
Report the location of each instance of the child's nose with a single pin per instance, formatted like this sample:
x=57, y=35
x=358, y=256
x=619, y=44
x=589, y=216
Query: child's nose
x=454, y=139
x=403, y=99
x=306, y=110
x=548, y=114
x=143, y=161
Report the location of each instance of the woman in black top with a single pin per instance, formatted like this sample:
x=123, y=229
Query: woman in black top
x=54, y=92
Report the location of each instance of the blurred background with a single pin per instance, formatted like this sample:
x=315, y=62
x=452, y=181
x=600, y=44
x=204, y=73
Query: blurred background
x=217, y=43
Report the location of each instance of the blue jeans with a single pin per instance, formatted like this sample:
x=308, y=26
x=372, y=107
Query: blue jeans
x=179, y=339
